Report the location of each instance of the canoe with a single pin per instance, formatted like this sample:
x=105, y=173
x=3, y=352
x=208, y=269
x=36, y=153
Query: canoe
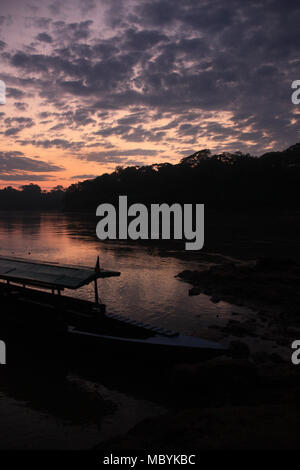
x=58, y=325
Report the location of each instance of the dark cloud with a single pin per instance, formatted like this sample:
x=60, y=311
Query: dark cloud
x=44, y=37
x=115, y=130
x=17, y=124
x=217, y=70
x=12, y=131
x=78, y=117
x=187, y=129
x=12, y=163
x=21, y=106
x=139, y=134
x=130, y=134
x=141, y=40
x=25, y=177
x=156, y=13
x=22, y=120
x=57, y=143
x=45, y=114
x=14, y=93
x=117, y=156
x=57, y=127
x=72, y=32
x=83, y=177
x=133, y=118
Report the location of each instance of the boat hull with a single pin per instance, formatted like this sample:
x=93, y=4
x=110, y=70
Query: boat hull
x=38, y=327
x=157, y=349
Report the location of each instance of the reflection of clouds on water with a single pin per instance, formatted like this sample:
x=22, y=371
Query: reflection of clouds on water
x=147, y=289
x=2, y=92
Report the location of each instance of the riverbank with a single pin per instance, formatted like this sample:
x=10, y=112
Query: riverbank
x=223, y=404
x=268, y=286
x=249, y=399
x=259, y=376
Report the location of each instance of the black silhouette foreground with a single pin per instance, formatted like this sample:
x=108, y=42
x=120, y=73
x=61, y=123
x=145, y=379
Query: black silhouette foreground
x=226, y=180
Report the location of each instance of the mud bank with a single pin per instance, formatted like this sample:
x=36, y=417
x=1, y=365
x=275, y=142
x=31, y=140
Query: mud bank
x=249, y=398
x=223, y=404
x=262, y=283
x=268, y=286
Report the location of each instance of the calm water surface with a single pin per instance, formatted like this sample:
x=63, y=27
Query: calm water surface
x=146, y=290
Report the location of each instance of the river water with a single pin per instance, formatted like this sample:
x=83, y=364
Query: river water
x=44, y=416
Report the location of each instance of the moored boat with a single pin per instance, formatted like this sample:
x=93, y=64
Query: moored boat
x=32, y=314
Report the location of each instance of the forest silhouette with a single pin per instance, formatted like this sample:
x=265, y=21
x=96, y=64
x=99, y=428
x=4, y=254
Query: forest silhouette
x=225, y=180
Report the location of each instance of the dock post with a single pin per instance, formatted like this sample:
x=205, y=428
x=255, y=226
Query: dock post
x=96, y=292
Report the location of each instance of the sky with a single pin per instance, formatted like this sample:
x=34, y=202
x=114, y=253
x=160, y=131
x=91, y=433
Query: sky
x=94, y=84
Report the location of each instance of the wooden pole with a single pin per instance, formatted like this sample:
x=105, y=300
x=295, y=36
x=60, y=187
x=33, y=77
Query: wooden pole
x=96, y=292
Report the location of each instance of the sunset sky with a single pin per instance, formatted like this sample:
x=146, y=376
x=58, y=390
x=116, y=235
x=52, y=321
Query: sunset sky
x=92, y=84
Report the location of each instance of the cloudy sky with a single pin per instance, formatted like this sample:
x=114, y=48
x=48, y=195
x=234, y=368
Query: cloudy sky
x=92, y=84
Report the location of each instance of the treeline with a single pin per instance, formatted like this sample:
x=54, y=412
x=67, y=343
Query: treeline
x=234, y=180
x=31, y=197
x=228, y=179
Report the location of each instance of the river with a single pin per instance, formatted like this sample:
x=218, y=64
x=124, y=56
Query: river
x=81, y=412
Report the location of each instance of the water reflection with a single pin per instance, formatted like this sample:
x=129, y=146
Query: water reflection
x=146, y=290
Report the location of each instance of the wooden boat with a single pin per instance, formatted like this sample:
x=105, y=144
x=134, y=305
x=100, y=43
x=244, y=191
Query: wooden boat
x=64, y=322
